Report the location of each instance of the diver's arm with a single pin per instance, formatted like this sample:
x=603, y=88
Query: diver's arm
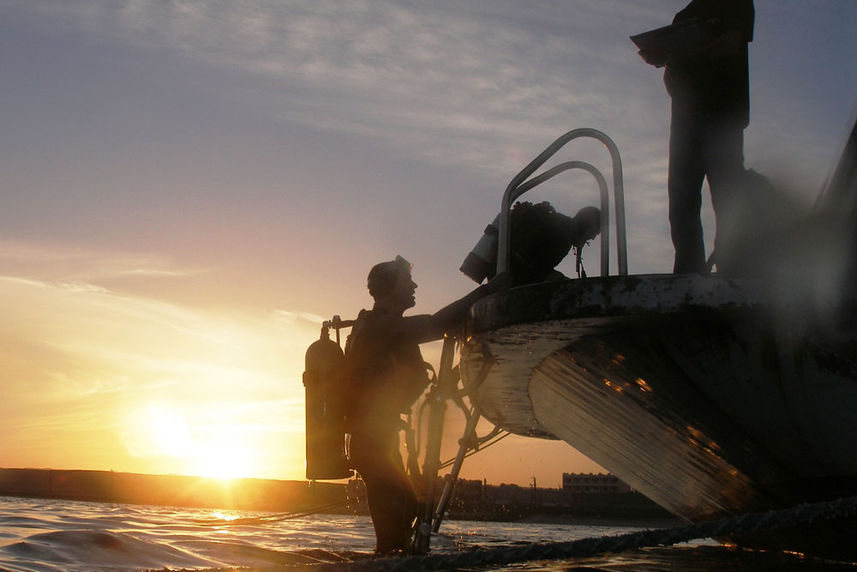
x=453, y=314
x=425, y=328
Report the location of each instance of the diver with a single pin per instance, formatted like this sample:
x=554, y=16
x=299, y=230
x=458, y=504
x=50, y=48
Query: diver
x=541, y=237
x=384, y=375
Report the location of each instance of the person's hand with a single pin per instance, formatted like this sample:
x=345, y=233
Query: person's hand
x=502, y=281
x=657, y=58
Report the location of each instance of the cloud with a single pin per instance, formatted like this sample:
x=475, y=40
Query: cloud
x=481, y=87
x=82, y=267
x=445, y=81
x=484, y=88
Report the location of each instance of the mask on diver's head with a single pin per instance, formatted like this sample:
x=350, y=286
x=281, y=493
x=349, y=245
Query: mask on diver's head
x=402, y=263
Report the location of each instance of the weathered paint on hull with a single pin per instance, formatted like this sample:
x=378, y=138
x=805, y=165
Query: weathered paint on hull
x=686, y=387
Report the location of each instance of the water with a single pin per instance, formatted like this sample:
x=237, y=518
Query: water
x=39, y=534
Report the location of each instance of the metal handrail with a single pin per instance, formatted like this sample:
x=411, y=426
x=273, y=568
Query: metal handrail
x=520, y=185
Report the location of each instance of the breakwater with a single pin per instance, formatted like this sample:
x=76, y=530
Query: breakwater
x=472, y=499
x=171, y=490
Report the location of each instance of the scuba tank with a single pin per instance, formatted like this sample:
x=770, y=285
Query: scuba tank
x=325, y=408
x=481, y=262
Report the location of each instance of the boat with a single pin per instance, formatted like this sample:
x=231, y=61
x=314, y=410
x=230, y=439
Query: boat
x=713, y=395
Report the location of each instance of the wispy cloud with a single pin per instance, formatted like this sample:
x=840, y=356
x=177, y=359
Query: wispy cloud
x=447, y=81
x=483, y=87
x=81, y=267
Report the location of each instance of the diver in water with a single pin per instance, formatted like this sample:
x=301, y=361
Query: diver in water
x=385, y=375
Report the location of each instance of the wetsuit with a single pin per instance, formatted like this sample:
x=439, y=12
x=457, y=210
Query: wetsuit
x=386, y=374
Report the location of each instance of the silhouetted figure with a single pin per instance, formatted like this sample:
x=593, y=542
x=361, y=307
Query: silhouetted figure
x=709, y=84
x=385, y=375
x=541, y=238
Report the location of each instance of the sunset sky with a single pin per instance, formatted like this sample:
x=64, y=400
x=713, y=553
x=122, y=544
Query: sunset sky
x=189, y=188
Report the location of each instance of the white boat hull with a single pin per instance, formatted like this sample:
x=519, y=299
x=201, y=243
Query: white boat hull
x=686, y=387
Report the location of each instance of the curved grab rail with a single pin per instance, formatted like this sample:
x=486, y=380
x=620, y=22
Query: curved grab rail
x=605, y=201
x=519, y=185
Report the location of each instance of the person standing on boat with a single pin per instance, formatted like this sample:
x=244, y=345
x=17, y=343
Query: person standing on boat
x=709, y=87
x=385, y=375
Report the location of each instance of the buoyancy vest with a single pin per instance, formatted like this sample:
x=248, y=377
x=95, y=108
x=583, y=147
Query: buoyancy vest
x=384, y=372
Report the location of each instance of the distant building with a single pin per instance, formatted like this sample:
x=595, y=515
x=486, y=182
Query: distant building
x=593, y=483
x=470, y=491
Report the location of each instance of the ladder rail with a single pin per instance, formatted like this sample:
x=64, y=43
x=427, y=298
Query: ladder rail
x=432, y=515
x=604, y=195
x=503, y=243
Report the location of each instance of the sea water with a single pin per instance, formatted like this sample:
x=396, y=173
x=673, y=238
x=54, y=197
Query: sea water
x=40, y=534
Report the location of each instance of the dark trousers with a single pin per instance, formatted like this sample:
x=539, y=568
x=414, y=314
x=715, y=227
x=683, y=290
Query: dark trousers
x=392, y=501
x=700, y=147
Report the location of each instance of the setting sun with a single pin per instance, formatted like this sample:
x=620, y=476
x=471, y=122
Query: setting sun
x=224, y=457
x=223, y=450
x=170, y=432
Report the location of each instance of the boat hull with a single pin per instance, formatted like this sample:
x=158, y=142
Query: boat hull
x=689, y=388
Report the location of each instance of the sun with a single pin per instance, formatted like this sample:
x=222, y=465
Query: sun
x=170, y=432
x=223, y=457
x=207, y=449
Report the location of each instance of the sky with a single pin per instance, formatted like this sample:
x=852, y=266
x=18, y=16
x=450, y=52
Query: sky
x=189, y=188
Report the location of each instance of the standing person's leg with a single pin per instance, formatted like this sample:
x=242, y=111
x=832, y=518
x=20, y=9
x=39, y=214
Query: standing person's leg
x=391, y=499
x=404, y=507
x=686, y=174
x=724, y=165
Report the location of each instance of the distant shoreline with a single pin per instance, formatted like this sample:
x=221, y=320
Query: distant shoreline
x=171, y=490
x=267, y=495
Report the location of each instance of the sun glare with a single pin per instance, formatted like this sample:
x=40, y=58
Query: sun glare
x=170, y=431
x=224, y=457
x=164, y=434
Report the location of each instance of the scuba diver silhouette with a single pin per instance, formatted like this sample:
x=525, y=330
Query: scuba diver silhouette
x=384, y=375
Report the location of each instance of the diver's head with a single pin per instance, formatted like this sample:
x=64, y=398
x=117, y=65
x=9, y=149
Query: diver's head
x=587, y=225
x=391, y=282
